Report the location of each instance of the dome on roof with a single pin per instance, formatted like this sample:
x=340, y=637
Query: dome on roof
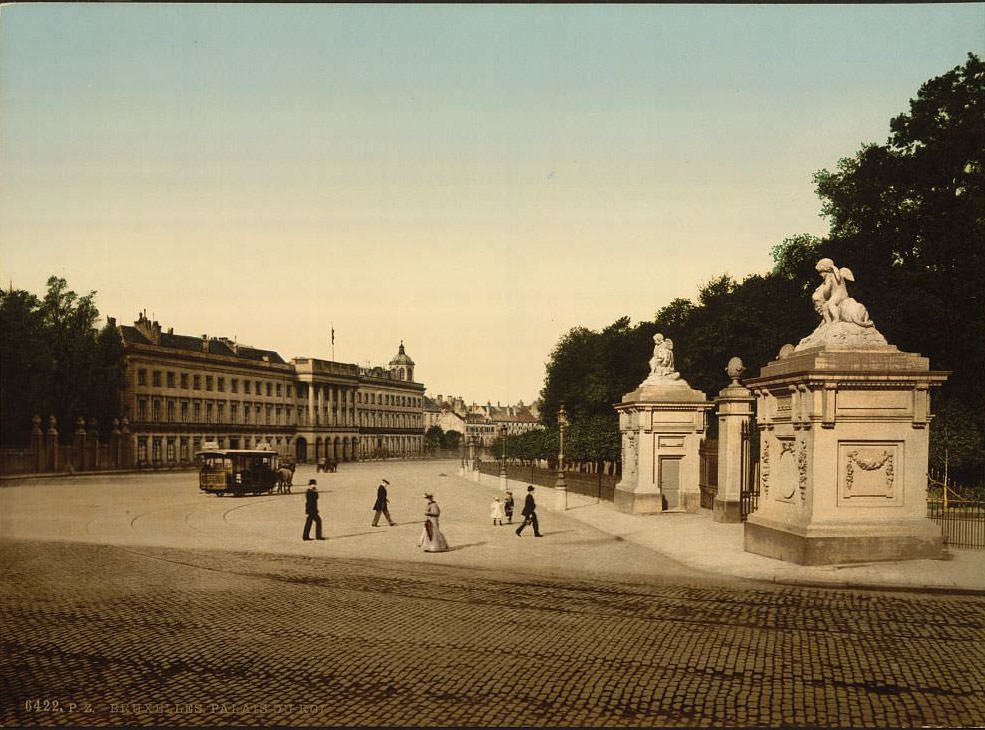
x=402, y=366
x=401, y=357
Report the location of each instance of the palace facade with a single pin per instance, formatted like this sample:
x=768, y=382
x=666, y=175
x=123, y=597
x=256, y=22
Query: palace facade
x=182, y=391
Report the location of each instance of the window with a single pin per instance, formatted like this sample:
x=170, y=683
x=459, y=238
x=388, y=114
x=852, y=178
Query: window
x=156, y=378
x=278, y=416
x=288, y=391
x=171, y=411
x=246, y=387
x=269, y=390
x=184, y=411
x=278, y=390
x=156, y=453
x=142, y=377
x=257, y=413
x=141, y=410
x=197, y=382
x=184, y=448
x=170, y=378
x=234, y=385
x=220, y=385
x=197, y=411
x=268, y=414
x=170, y=452
x=246, y=413
x=208, y=412
x=256, y=388
x=184, y=381
x=221, y=408
x=233, y=412
x=208, y=382
x=141, y=449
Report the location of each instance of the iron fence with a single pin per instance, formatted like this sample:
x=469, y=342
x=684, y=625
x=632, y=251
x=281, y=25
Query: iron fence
x=962, y=522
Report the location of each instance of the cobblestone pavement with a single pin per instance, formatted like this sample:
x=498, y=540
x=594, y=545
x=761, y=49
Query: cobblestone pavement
x=140, y=635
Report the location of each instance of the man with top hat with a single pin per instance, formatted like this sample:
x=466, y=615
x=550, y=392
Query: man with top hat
x=529, y=513
x=381, y=504
x=311, y=509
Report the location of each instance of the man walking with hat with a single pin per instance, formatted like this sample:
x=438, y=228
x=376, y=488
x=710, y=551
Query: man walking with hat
x=381, y=504
x=529, y=513
x=311, y=509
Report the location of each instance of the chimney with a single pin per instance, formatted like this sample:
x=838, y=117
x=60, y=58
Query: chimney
x=205, y=343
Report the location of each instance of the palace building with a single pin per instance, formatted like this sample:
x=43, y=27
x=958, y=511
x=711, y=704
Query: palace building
x=182, y=391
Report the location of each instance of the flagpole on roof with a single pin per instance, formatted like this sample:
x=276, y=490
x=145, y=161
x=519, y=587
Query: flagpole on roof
x=332, y=325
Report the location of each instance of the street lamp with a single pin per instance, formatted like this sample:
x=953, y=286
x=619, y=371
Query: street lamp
x=476, y=442
x=502, y=462
x=464, y=440
x=560, y=486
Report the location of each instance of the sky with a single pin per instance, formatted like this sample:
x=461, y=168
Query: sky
x=472, y=180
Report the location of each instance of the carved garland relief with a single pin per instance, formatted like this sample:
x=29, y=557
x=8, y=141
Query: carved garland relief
x=869, y=460
x=764, y=465
x=802, y=469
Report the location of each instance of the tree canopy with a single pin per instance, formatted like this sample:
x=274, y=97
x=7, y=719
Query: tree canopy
x=55, y=362
x=908, y=218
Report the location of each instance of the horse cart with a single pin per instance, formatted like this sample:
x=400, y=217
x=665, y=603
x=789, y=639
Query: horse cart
x=237, y=471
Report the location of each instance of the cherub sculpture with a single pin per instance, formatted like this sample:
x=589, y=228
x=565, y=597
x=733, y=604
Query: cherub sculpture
x=662, y=361
x=831, y=298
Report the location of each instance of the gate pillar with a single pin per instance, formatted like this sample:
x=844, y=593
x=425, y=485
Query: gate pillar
x=735, y=417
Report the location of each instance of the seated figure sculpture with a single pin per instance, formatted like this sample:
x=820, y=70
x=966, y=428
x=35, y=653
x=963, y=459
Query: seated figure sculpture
x=844, y=321
x=662, y=361
x=831, y=299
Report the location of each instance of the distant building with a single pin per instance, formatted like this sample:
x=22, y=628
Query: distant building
x=486, y=422
x=181, y=391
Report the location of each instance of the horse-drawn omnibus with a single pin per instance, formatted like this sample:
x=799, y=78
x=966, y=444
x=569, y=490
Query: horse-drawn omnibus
x=237, y=471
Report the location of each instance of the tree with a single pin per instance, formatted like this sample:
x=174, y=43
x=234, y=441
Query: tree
x=451, y=440
x=55, y=362
x=433, y=438
x=908, y=217
x=25, y=363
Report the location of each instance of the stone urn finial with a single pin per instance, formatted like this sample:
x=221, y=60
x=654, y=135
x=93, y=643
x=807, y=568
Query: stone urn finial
x=734, y=370
x=37, y=424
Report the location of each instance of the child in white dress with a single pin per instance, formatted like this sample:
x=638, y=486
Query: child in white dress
x=496, y=512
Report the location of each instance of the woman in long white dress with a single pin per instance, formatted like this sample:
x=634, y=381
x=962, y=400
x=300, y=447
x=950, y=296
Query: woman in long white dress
x=431, y=538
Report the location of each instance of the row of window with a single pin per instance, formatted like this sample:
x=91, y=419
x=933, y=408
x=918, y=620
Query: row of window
x=182, y=448
x=197, y=411
x=389, y=420
x=194, y=381
x=389, y=399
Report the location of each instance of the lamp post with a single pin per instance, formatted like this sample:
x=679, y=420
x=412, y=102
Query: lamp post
x=560, y=486
x=476, y=443
x=465, y=430
x=502, y=462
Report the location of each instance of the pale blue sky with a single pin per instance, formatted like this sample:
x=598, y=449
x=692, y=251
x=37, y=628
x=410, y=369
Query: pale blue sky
x=474, y=180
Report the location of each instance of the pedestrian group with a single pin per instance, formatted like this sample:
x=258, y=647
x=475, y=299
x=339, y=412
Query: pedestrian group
x=431, y=540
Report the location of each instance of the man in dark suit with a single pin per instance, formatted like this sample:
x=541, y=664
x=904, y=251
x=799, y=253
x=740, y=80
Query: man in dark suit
x=311, y=509
x=381, y=504
x=529, y=513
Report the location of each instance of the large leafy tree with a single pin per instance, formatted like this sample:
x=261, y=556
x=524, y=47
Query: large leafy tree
x=908, y=217
x=55, y=362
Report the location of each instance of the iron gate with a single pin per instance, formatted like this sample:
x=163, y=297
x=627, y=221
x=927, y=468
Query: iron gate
x=749, y=488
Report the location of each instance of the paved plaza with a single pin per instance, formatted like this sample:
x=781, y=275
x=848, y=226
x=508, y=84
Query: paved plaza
x=135, y=600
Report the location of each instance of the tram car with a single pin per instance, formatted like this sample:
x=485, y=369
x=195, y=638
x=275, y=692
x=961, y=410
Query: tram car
x=237, y=471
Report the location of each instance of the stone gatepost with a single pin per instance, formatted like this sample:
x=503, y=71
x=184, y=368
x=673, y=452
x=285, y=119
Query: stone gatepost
x=662, y=423
x=37, y=444
x=115, y=443
x=126, y=444
x=79, y=444
x=92, y=444
x=844, y=443
x=51, y=457
x=734, y=403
